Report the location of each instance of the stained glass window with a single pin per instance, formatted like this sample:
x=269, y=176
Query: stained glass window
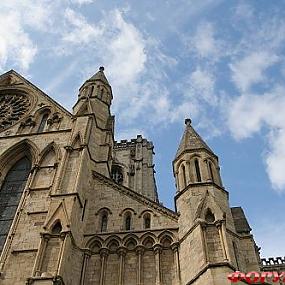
x=10, y=195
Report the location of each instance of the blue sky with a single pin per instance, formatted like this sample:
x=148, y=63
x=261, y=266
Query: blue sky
x=219, y=62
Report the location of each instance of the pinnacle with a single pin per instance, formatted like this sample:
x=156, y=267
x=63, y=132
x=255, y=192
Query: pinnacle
x=191, y=140
x=99, y=75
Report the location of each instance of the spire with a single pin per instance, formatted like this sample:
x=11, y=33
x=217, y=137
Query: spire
x=191, y=140
x=99, y=75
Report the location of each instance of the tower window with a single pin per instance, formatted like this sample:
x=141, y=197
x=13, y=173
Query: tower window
x=104, y=222
x=10, y=195
x=117, y=174
x=128, y=222
x=197, y=168
x=91, y=91
x=43, y=123
x=184, y=176
x=147, y=221
x=211, y=171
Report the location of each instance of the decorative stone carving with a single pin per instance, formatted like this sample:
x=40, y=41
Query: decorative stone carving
x=12, y=109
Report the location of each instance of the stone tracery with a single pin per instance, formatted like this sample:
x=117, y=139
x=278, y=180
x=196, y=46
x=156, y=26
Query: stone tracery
x=12, y=108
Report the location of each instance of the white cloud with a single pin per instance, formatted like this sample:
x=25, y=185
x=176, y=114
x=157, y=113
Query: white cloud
x=204, y=43
x=79, y=31
x=202, y=83
x=249, y=113
x=15, y=43
x=82, y=2
x=126, y=50
x=250, y=70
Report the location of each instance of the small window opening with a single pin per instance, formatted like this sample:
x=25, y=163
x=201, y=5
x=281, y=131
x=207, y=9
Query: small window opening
x=147, y=221
x=43, y=123
x=210, y=218
x=211, y=171
x=184, y=176
x=197, y=168
x=128, y=222
x=117, y=174
x=57, y=228
x=91, y=91
x=104, y=222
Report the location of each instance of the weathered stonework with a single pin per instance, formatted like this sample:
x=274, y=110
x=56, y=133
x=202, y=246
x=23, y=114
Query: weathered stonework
x=88, y=210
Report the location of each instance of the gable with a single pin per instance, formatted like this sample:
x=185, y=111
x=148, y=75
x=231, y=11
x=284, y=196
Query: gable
x=22, y=105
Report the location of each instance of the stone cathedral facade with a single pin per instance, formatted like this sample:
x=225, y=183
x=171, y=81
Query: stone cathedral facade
x=78, y=208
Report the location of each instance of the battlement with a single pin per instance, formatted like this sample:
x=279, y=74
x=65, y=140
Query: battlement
x=273, y=261
x=133, y=142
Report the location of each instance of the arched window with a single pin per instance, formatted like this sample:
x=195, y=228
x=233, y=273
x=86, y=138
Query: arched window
x=117, y=174
x=197, y=169
x=43, y=123
x=184, y=176
x=128, y=222
x=211, y=171
x=10, y=195
x=104, y=222
x=209, y=217
x=146, y=221
x=57, y=228
x=91, y=91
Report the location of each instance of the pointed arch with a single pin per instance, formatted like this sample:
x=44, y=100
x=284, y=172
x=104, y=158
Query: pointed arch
x=209, y=216
x=94, y=240
x=56, y=228
x=51, y=147
x=42, y=116
x=16, y=152
x=113, y=238
x=131, y=243
x=77, y=141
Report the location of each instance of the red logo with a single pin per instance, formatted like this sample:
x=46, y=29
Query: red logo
x=257, y=277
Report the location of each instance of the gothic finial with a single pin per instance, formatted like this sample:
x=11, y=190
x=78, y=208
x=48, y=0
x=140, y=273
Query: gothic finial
x=187, y=122
x=101, y=68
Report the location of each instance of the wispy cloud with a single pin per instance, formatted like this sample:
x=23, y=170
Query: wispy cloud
x=251, y=69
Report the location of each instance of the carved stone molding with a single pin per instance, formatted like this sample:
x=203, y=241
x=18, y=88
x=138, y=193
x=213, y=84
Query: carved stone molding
x=13, y=107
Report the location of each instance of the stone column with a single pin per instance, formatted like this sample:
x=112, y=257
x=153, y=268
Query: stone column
x=224, y=235
x=40, y=254
x=63, y=239
x=139, y=252
x=204, y=243
x=86, y=257
x=104, y=255
x=175, y=251
x=157, y=253
x=122, y=253
x=219, y=226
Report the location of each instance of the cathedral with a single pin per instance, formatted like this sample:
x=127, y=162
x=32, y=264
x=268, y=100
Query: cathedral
x=79, y=208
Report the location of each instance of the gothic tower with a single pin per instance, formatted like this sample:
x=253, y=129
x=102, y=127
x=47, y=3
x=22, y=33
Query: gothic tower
x=214, y=238
x=79, y=208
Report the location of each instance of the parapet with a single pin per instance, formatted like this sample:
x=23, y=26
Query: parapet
x=273, y=261
x=129, y=144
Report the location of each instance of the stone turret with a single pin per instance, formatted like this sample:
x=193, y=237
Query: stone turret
x=195, y=162
x=97, y=86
